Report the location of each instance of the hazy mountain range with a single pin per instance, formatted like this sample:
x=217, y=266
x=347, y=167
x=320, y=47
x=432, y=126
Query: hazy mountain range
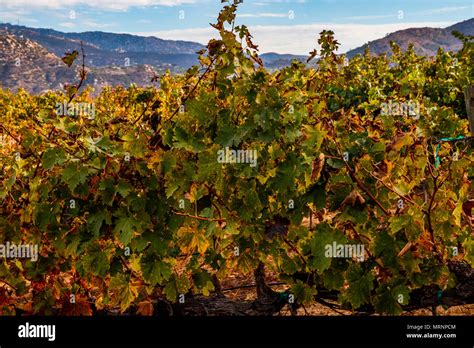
x=25, y=63
x=105, y=49
x=30, y=57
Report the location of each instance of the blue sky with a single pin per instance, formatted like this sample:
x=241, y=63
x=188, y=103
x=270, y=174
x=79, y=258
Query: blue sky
x=284, y=26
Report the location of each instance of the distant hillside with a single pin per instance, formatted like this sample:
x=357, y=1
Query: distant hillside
x=466, y=27
x=24, y=63
x=275, y=61
x=134, y=43
x=426, y=41
x=106, y=49
x=28, y=65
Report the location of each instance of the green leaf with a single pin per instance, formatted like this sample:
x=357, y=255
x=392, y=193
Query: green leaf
x=333, y=279
x=246, y=263
x=314, y=137
x=390, y=297
x=134, y=145
x=171, y=188
x=397, y=223
x=182, y=284
x=107, y=190
x=323, y=237
x=228, y=137
x=96, y=220
x=469, y=247
x=184, y=140
x=53, y=156
x=303, y=293
x=122, y=292
x=126, y=226
x=155, y=271
x=72, y=243
x=74, y=175
x=95, y=261
x=168, y=162
x=289, y=266
x=124, y=188
x=360, y=285
x=402, y=294
x=170, y=291
x=203, y=281
x=386, y=248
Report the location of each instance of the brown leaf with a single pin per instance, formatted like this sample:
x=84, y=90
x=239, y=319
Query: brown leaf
x=145, y=308
x=80, y=308
x=250, y=44
x=214, y=46
x=405, y=249
x=318, y=165
x=278, y=227
x=312, y=54
x=3, y=296
x=69, y=58
x=425, y=241
x=354, y=198
x=257, y=59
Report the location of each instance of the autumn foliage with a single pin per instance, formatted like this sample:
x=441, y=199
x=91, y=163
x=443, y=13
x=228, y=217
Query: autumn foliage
x=132, y=206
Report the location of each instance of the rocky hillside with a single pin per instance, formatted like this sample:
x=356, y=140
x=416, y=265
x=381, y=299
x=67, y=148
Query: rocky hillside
x=28, y=65
x=106, y=49
x=426, y=41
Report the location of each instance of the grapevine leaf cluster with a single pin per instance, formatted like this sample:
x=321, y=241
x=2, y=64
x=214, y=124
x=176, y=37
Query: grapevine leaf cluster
x=133, y=205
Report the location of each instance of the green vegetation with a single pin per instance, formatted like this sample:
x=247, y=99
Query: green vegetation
x=132, y=204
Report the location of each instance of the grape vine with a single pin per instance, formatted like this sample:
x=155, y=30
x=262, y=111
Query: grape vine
x=132, y=203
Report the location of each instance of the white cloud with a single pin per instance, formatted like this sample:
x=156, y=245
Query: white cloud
x=103, y=4
x=434, y=11
x=260, y=15
x=370, y=17
x=67, y=24
x=268, y=2
x=95, y=25
x=19, y=15
x=447, y=10
x=300, y=39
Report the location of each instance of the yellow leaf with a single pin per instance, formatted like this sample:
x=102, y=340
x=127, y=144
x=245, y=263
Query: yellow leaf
x=18, y=264
x=457, y=213
x=202, y=243
x=400, y=142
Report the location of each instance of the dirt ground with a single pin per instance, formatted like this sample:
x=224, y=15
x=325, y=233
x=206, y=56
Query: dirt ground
x=317, y=309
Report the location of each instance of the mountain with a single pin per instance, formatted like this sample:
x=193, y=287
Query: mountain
x=466, y=27
x=106, y=49
x=134, y=43
x=26, y=64
x=275, y=61
x=426, y=41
